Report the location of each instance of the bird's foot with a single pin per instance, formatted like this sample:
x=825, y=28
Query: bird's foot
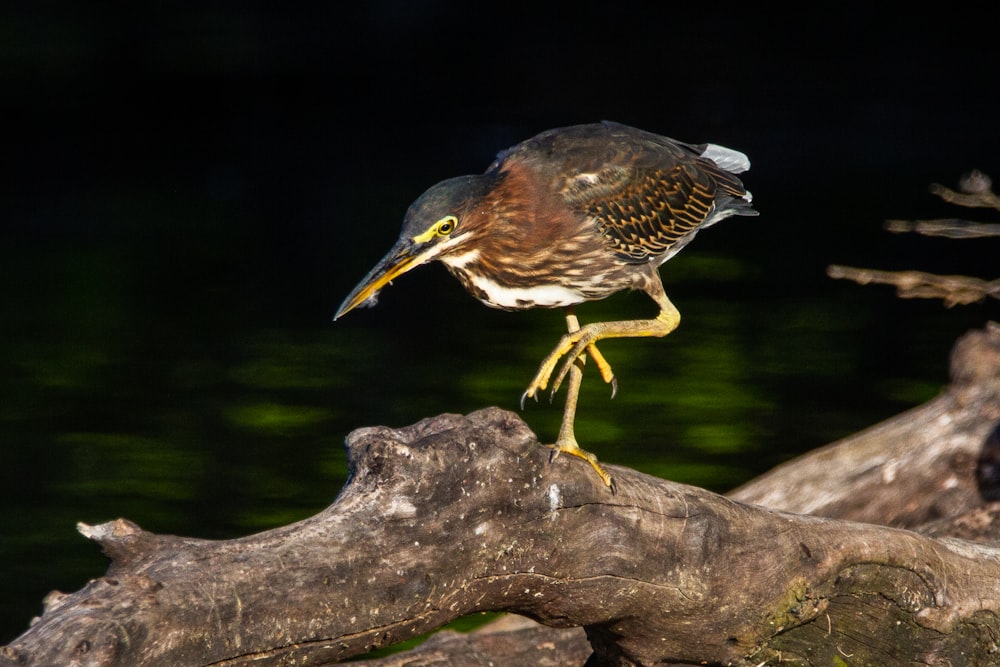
x=571, y=347
x=570, y=447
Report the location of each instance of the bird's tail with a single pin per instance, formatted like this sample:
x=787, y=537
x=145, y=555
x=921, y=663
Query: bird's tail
x=732, y=161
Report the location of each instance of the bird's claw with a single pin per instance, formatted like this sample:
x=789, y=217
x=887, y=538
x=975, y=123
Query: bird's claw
x=541, y=380
x=526, y=395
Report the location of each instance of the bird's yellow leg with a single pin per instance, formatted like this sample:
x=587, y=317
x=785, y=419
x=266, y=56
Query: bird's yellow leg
x=566, y=441
x=662, y=325
x=573, y=325
x=574, y=343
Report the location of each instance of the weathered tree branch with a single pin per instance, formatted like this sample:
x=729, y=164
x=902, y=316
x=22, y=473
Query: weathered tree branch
x=921, y=466
x=953, y=290
x=456, y=515
x=974, y=191
x=952, y=228
x=510, y=640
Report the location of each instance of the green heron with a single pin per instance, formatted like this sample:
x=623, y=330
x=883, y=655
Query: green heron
x=572, y=215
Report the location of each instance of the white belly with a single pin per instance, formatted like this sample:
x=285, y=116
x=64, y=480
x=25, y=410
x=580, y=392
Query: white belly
x=514, y=298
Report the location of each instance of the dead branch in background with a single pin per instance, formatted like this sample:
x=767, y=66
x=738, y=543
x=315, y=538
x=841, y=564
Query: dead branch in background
x=975, y=190
x=953, y=290
x=952, y=228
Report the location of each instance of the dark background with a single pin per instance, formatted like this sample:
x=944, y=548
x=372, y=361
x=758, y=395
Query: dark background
x=191, y=189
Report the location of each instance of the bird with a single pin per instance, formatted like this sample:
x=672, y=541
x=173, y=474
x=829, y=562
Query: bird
x=571, y=215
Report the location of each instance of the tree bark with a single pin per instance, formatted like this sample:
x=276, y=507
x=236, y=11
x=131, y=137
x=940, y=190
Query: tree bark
x=462, y=514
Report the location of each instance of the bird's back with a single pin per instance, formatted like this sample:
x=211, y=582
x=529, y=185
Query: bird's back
x=647, y=194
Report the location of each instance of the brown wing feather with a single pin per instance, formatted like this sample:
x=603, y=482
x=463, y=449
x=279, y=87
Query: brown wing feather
x=651, y=212
x=643, y=213
x=647, y=193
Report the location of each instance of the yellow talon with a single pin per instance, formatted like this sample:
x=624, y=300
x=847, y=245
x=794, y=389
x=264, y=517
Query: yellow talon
x=574, y=449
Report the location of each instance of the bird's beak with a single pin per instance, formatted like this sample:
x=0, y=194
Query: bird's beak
x=399, y=260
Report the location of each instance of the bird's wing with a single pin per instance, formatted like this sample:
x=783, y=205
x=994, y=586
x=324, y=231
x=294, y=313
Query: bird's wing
x=647, y=193
x=645, y=211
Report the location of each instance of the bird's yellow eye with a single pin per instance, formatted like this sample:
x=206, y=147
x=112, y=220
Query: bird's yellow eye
x=442, y=227
x=446, y=225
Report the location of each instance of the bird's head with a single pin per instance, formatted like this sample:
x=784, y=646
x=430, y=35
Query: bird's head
x=437, y=223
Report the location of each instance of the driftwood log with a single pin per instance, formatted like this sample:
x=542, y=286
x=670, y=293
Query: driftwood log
x=462, y=514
